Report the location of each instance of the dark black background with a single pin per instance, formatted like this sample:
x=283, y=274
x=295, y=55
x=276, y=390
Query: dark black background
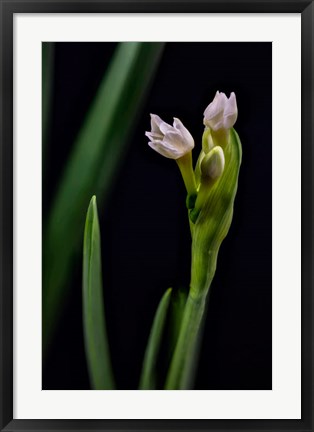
x=145, y=232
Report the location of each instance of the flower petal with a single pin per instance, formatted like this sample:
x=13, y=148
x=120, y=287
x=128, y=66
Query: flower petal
x=154, y=135
x=213, y=114
x=231, y=111
x=178, y=125
x=160, y=147
x=155, y=121
x=216, y=107
x=165, y=127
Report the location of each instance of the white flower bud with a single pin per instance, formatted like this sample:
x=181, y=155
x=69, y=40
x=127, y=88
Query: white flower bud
x=222, y=112
x=170, y=141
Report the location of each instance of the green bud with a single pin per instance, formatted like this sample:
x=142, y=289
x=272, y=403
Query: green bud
x=194, y=214
x=211, y=168
x=207, y=147
x=190, y=201
x=213, y=164
x=198, y=168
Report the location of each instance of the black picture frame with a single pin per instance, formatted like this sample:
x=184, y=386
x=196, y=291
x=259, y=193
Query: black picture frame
x=7, y=10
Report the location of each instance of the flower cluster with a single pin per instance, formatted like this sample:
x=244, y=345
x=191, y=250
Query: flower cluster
x=176, y=142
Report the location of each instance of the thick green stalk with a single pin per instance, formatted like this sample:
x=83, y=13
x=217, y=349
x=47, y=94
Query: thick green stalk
x=182, y=367
x=210, y=228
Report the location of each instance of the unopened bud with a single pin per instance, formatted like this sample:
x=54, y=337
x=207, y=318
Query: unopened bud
x=213, y=164
x=211, y=167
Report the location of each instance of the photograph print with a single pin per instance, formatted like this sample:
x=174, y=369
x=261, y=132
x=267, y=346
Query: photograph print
x=157, y=216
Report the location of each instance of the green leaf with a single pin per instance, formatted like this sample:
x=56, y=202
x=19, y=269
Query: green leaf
x=95, y=336
x=97, y=153
x=148, y=378
x=177, y=305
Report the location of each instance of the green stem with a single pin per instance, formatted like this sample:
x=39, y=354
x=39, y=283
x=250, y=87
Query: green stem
x=185, y=164
x=181, y=372
x=208, y=232
x=184, y=360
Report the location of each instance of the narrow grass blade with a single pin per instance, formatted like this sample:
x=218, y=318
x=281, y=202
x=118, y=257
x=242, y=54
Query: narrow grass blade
x=176, y=310
x=148, y=377
x=99, y=149
x=95, y=336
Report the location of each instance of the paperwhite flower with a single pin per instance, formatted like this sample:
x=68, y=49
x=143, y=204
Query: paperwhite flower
x=222, y=112
x=170, y=141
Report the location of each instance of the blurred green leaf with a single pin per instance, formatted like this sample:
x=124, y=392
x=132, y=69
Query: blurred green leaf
x=95, y=336
x=148, y=378
x=98, y=150
x=177, y=305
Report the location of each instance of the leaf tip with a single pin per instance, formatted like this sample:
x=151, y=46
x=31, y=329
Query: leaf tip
x=168, y=292
x=92, y=208
x=93, y=200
